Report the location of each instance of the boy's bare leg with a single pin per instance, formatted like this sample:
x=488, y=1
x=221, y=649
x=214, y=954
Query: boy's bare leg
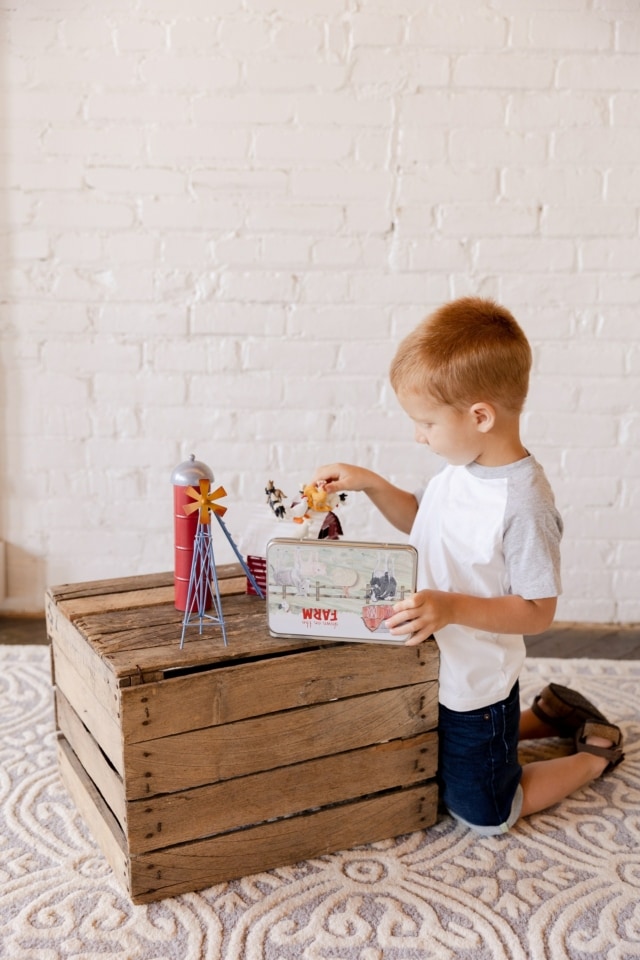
x=545, y=782
x=532, y=728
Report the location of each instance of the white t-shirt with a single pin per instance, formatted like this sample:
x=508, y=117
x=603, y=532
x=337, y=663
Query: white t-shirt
x=486, y=532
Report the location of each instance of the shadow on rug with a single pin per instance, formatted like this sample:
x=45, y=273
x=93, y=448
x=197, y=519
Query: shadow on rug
x=562, y=884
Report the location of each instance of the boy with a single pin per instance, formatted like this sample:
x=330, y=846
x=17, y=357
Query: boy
x=487, y=534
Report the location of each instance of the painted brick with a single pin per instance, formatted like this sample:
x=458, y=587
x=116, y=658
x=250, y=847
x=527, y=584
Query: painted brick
x=377, y=29
x=624, y=108
x=458, y=29
x=570, y=30
x=141, y=35
x=86, y=357
x=143, y=106
x=450, y=108
x=524, y=254
x=168, y=72
x=552, y=184
x=241, y=107
x=504, y=70
x=71, y=69
x=304, y=144
x=581, y=72
x=343, y=107
x=269, y=73
x=80, y=33
x=182, y=142
x=494, y=219
x=252, y=319
x=173, y=214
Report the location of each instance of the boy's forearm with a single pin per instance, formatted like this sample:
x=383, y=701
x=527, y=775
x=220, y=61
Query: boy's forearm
x=428, y=611
x=397, y=506
x=511, y=614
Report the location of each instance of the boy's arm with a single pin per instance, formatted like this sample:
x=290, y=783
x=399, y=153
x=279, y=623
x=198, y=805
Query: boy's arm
x=397, y=506
x=428, y=611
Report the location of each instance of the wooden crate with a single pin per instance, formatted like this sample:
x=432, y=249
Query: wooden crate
x=209, y=763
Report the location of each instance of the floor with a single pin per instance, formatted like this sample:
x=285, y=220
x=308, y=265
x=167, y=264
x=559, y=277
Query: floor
x=566, y=640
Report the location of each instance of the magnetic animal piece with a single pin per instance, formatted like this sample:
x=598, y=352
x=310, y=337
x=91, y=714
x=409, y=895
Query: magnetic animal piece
x=317, y=497
x=275, y=498
x=322, y=502
x=331, y=528
x=313, y=499
x=298, y=510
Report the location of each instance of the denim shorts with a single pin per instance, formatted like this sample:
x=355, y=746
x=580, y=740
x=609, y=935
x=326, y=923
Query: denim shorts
x=479, y=772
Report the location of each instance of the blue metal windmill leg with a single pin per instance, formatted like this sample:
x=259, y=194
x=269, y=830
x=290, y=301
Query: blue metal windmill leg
x=217, y=601
x=203, y=584
x=240, y=558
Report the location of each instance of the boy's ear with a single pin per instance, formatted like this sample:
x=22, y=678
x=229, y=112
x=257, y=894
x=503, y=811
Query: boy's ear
x=484, y=416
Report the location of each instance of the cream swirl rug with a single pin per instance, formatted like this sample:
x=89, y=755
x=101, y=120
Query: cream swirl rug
x=564, y=884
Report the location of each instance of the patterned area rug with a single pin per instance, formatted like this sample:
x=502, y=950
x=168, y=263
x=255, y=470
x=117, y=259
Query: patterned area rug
x=563, y=884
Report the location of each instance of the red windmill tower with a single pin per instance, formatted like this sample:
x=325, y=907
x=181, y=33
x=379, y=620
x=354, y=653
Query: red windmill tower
x=203, y=592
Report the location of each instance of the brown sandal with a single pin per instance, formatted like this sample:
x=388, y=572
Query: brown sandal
x=567, y=709
x=614, y=754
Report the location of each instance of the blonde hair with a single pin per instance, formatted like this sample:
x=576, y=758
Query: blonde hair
x=466, y=351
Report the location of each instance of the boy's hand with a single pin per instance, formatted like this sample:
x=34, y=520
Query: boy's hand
x=421, y=615
x=336, y=477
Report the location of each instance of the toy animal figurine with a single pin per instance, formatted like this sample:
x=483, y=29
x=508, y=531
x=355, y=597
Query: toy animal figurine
x=298, y=511
x=275, y=499
x=331, y=528
x=317, y=497
x=313, y=499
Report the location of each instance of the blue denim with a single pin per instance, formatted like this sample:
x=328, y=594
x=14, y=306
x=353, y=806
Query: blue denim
x=479, y=771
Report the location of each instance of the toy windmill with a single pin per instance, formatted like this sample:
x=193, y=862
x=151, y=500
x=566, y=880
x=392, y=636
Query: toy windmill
x=203, y=593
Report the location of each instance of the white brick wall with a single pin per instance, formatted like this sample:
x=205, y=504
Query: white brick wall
x=219, y=218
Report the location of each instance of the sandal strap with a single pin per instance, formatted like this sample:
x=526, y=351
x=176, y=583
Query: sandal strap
x=608, y=731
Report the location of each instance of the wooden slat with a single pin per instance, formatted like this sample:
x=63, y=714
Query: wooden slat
x=103, y=724
x=146, y=664
x=145, y=581
x=87, y=588
x=206, y=862
x=133, y=626
x=133, y=599
x=218, y=808
x=82, y=606
x=103, y=775
x=265, y=686
x=249, y=746
x=98, y=817
x=96, y=674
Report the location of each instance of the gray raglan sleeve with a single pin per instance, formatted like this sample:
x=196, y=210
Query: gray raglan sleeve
x=533, y=531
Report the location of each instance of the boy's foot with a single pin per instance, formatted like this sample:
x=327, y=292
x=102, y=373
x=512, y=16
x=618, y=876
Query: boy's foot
x=602, y=740
x=564, y=709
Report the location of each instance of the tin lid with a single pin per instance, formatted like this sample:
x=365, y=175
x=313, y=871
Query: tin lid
x=190, y=472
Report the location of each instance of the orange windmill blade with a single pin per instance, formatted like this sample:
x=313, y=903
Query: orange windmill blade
x=204, y=501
